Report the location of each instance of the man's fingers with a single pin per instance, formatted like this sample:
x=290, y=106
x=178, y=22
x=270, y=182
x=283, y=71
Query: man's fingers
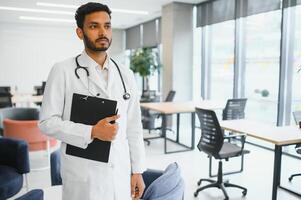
x=112, y=118
x=133, y=190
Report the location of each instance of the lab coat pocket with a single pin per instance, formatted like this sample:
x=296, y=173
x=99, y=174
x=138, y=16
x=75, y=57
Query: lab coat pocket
x=74, y=168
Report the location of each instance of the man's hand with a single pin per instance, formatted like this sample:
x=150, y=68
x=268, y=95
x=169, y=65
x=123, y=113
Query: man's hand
x=106, y=129
x=137, y=186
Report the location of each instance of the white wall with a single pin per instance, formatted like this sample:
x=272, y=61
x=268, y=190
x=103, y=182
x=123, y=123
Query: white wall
x=29, y=51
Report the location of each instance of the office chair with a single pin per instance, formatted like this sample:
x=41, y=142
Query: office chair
x=234, y=109
x=5, y=100
x=14, y=163
x=159, y=185
x=297, y=117
x=212, y=142
x=151, y=116
x=5, y=89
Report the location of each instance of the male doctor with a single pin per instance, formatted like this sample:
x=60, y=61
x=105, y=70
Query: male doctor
x=84, y=179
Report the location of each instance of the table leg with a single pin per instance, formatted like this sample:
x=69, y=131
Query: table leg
x=192, y=130
x=178, y=126
x=164, y=131
x=277, y=170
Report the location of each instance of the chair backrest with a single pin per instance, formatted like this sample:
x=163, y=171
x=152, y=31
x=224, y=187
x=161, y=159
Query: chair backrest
x=5, y=100
x=297, y=116
x=235, y=109
x=27, y=130
x=212, y=137
x=170, y=96
x=5, y=89
x=14, y=153
x=55, y=167
x=168, y=186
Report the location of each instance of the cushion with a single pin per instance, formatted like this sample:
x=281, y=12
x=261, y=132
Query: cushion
x=169, y=186
x=11, y=182
x=36, y=194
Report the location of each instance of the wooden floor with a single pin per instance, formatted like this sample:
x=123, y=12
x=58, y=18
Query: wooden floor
x=256, y=177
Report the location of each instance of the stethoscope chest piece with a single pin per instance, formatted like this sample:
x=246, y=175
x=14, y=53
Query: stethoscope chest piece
x=126, y=96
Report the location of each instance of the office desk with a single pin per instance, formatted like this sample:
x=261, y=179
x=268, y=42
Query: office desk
x=168, y=108
x=279, y=136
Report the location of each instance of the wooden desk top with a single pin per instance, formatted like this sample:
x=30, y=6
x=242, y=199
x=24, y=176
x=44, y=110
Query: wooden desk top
x=181, y=107
x=283, y=135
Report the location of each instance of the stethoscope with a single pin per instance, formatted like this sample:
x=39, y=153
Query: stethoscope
x=125, y=96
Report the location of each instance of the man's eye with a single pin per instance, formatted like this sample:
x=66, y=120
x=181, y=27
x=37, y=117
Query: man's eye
x=107, y=26
x=92, y=26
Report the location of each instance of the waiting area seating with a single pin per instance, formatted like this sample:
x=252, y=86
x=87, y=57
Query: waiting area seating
x=159, y=185
x=212, y=142
x=14, y=163
x=22, y=123
x=36, y=194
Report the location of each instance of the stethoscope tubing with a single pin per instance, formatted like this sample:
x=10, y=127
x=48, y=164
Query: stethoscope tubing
x=125, y=96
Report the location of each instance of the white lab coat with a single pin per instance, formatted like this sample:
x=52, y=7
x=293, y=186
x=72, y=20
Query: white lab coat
x=83, y=178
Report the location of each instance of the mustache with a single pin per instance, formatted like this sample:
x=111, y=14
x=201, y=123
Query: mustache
x=102, y=38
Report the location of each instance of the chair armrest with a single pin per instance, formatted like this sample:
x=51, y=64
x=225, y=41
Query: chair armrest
x=14, y=153
x=242, y=139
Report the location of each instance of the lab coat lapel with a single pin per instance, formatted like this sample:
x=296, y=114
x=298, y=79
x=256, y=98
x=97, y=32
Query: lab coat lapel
x=112, y=79
x=86, y=61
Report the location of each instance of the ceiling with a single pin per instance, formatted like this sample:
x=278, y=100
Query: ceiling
x=119, y=20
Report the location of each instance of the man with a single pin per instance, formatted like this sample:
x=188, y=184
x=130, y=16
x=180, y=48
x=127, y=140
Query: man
x=120, y=178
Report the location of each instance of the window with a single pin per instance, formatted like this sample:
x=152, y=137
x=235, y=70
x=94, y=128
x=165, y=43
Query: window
x=222, y=60
x=296, y=92
x=263, y=33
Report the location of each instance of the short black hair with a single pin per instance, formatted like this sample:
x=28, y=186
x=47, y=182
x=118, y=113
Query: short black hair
x=89, y=8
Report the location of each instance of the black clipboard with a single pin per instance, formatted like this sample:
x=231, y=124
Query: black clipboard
x=89, y=110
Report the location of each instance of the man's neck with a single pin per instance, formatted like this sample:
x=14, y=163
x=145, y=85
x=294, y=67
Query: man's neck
x=98, y=57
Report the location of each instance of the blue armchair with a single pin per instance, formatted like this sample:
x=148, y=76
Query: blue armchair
x=14, y=162
x=36, y=194
x=159, y=185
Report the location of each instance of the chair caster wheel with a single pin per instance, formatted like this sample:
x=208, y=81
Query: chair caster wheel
x=244, y=193
x=199, y=183
x=290, y=179
x=195, y=194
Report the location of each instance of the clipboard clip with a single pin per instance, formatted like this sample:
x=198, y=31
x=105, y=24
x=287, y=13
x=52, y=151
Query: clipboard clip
x=85, y=98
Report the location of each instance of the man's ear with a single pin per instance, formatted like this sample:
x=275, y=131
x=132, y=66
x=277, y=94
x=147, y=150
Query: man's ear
x=79, y=33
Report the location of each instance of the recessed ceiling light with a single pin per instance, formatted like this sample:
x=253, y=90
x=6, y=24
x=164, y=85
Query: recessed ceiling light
x=36, y=10
x=75, y=6
x=46, y=19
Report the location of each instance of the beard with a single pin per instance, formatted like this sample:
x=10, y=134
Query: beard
x=91, y=45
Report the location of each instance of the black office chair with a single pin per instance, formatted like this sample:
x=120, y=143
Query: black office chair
x=40, y=91
x=212, y=142
x=150, y=117
x=297, y=117
x=5, y=100
x=235, y=109
x=5, y=89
